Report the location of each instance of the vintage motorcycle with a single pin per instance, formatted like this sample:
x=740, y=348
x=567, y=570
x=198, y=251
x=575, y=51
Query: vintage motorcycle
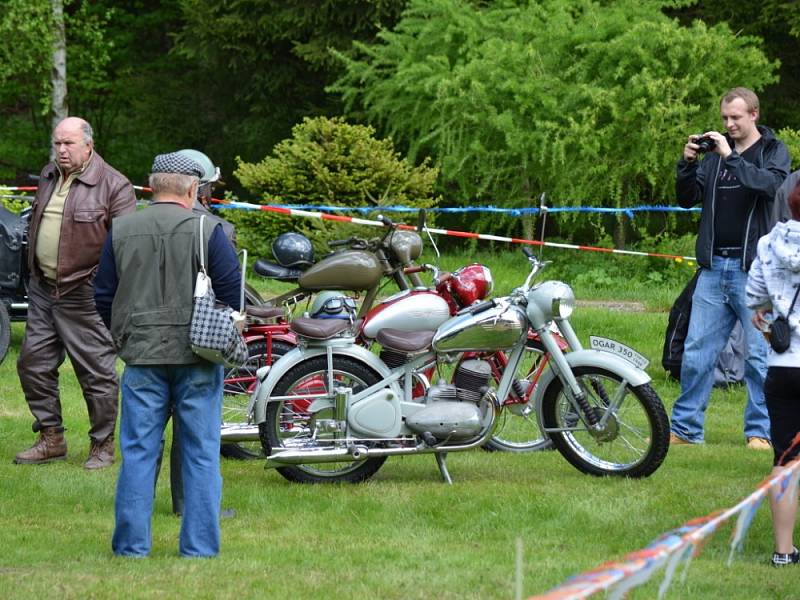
x=597, y=408
x=412, y=309
x=358, y=266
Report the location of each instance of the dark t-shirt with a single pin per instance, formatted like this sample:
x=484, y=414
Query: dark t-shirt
x=733, y=204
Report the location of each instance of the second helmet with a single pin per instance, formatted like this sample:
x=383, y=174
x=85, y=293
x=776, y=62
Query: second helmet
x=293, y=250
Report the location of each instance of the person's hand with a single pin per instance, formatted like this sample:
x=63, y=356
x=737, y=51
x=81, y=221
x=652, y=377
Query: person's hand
x=761, y=323
x=690, y=149
x=722, y=148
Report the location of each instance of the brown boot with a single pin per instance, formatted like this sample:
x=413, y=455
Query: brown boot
x=100, y=455
x=50, y=446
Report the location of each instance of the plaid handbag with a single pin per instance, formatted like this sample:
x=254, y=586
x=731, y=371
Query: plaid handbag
x=213, y=334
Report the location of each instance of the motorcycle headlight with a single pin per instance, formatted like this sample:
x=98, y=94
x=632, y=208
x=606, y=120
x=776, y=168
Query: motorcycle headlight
x=550, y=300
x=563, y=303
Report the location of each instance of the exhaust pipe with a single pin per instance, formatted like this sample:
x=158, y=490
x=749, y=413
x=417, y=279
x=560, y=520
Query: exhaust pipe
x=356, y=452
x=238, y=432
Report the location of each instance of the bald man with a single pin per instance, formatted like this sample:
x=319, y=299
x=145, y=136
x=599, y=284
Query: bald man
x=78, y=197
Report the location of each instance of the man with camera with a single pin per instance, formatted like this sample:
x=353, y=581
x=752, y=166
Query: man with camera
x=735, y=181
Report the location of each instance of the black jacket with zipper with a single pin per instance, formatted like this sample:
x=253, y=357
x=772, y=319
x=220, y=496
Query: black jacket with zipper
x=696, y=183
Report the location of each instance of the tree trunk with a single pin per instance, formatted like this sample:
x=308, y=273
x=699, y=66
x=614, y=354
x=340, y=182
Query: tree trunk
x=58, y=76
x=619, y=232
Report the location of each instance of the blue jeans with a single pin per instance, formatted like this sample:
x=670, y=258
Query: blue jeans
x=718, y=301
x=194, y=395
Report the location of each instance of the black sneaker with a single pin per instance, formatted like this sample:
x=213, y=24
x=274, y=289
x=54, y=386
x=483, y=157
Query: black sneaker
x=781, y=560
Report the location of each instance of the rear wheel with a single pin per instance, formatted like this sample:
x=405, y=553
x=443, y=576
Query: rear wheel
x=290, y=425
x=518, y=424
x=635, y=438
x=239, y=384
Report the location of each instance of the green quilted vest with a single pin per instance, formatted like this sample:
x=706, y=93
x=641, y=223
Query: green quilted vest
x=157, y=258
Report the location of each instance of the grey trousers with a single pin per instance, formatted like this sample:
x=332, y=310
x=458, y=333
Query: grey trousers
x=57, y=327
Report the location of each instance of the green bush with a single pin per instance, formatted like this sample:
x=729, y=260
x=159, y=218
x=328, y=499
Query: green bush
x=330, y=162
x=791, y=138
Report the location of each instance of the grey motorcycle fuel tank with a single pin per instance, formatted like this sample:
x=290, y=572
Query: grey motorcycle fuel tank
x=496, y=328
x=353, y=270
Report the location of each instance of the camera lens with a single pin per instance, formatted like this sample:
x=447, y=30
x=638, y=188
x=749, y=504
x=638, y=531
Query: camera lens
x=705, y=144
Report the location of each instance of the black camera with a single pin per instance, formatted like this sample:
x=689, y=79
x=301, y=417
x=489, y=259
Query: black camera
x=705, y=143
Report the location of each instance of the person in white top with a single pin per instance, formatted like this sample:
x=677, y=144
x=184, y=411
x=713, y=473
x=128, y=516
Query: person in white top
x=772, y=290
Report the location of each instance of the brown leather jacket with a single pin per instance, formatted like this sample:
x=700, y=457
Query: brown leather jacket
x=96, y=196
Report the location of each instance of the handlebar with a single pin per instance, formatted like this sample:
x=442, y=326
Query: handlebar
x=387, y=222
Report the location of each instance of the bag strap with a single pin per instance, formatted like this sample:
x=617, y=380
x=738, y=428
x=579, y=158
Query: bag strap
x=202, y=247
x=791, y=308
x=244, y=268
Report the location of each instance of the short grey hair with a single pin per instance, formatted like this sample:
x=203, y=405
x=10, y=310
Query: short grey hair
x=172, y=183
x=88, y=132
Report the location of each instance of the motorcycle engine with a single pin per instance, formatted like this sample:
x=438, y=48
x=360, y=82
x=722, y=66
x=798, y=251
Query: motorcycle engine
x=452, y=411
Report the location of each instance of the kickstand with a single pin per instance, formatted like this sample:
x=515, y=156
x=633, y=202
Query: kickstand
x=441, y=457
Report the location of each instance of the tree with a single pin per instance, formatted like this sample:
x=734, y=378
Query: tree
x=58, y=79
x=265, y=63
x=31, y=85
x=328, y=161
x=777, y=22
x=588, y=101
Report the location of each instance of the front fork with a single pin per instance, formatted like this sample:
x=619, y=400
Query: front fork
x=564, y=372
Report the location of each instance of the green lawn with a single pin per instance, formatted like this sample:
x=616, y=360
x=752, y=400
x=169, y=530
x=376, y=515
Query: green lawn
x=404, y=534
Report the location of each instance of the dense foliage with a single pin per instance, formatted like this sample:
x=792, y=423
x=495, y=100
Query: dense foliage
x=587, y=100
x=330, y=162
x=590, y=102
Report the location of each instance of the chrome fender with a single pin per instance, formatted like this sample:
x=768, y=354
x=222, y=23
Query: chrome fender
x=299, y=355
x=589, y=358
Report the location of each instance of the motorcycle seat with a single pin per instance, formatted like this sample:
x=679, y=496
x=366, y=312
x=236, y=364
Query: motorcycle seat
x=273, y=270
x=405, y=341
x=319, y=329
x=264, y=312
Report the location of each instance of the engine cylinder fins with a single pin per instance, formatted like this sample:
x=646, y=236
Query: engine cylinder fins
x=442, y=392
x=393, y=358
x=470, y=379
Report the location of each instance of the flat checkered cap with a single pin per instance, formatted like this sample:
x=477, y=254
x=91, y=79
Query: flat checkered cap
x=175, y=162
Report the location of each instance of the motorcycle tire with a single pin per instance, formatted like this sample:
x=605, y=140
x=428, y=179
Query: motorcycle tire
x=635, y=439
x=287, y=423
x=252, y=297
x=518, y=425
x=5, y=332
x=239, y=384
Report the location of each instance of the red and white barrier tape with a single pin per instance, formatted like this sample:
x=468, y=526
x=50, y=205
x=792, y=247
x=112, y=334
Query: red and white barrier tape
x=294, y=212
x=617, y=578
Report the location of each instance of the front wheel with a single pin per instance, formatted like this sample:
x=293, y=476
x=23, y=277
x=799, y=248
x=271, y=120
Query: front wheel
x=289, y=424
x=634, y=439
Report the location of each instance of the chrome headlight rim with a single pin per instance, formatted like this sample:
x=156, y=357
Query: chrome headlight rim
x=563, y=303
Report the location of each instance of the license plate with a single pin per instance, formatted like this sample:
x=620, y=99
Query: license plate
x=621, y=350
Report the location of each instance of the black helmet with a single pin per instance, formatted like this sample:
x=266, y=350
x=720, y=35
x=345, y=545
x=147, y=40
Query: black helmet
x=293, y=250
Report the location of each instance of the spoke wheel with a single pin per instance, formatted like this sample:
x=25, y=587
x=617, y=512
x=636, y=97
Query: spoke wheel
x=239, y=384
x=518, y=424
x=290, y=425
x=635, y=438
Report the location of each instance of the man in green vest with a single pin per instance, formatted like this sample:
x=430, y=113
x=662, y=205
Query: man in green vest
x=144, y=293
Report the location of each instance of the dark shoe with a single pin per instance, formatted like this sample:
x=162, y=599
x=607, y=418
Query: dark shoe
x=100, y=455
x=50, y=446
x=782, y=560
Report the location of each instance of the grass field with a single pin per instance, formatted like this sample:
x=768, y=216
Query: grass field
x=403, y=534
